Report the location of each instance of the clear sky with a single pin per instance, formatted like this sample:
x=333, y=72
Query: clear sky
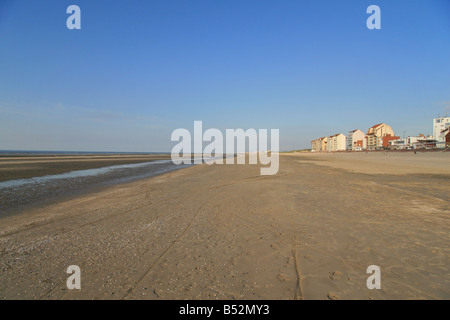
x=138, y=69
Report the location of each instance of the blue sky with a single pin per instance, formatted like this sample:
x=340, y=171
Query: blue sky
x=139, y=69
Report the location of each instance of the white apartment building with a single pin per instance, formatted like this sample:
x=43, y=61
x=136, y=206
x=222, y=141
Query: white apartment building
x=356, y=140
x=330, y=144
x=440, y=124
x=338, y=142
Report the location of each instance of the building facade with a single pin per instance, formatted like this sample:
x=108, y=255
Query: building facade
x=319, y=144
x=315, y=145
x=338, y=142
x=379, y=135
x=440, y=125
x=356, y=140
x=413, y=142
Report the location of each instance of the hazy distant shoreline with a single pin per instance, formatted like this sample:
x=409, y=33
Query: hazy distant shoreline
x=59, y=152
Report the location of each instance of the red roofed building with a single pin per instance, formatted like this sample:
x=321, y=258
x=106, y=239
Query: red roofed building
x=379, y=135
x=388, y=138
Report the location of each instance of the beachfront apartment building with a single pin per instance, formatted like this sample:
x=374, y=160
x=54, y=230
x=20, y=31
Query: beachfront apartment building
x=337, y=142
x=356, y=140
x=315, y=145
x=440, y=129
x=330, y=144
x=323, y=143
x=379, y=135
x=319, y=144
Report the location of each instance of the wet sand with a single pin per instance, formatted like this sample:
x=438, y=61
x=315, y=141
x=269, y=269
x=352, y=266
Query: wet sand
x=225, y=232
x=25, y=166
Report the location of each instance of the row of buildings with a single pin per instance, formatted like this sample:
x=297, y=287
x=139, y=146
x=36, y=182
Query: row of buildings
x=381, y=136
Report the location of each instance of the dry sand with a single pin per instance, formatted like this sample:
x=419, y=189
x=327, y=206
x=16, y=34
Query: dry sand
x=392, y=162
x=225, y=232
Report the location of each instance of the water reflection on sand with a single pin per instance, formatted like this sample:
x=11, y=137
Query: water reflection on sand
x=20, y=192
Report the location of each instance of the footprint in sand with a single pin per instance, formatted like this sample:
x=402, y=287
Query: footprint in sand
x=309, y=258
x=332, y=296
x=282, y=277
x=337, y=275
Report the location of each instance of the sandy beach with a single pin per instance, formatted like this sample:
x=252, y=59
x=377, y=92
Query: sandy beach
x=226, y=232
